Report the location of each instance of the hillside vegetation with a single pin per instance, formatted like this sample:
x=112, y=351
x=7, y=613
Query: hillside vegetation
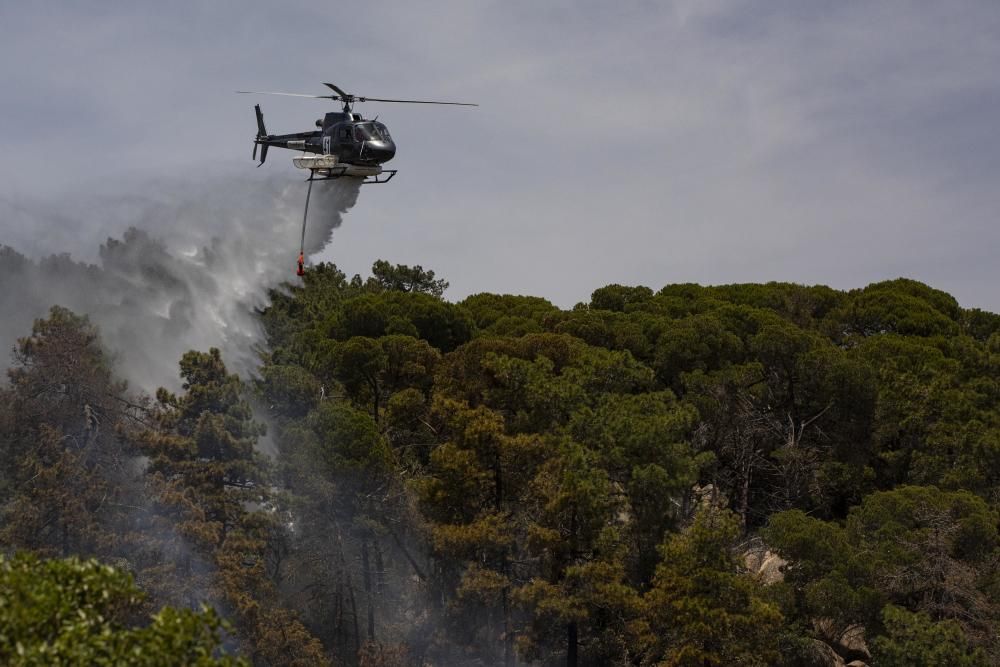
x=499, y=481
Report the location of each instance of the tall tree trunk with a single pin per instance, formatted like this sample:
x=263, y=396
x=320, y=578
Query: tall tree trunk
x=571, y=645
x=497, y=483
x=498, y=489
x=745, y=496
x=571, y=630
x=64, y=516
x=380, y=575
x=508, y=639
x=409, y=557
x=339, y=635
x=354, y=612
x=367, y=571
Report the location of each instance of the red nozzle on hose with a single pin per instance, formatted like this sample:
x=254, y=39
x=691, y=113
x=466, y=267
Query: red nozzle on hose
x=302, y=261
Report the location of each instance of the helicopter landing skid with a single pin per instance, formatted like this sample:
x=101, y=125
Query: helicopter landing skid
x=383, y=176
x=328, y=167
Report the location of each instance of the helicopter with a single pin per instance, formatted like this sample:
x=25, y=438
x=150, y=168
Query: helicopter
x=346, y=144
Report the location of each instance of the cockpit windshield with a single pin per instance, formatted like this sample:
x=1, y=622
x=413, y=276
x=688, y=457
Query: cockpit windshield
x=371, y=132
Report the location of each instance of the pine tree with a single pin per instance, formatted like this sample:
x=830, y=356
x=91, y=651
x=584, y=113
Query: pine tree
x=212, y=488
x=702, y=610
x=64, y=467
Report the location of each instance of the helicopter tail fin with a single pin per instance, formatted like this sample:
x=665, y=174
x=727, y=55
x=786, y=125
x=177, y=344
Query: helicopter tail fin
x=261, y=135
x=261, y=132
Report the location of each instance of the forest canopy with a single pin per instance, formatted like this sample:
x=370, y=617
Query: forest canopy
x=748, y=474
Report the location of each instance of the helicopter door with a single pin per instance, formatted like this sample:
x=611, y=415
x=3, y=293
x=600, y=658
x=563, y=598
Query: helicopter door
x=326, y=145
x=344, y=135
x=343, y=141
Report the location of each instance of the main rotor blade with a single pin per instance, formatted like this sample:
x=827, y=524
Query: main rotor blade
x=264, y=92
x=345, y=97
x=382, y=99
x=336, y=89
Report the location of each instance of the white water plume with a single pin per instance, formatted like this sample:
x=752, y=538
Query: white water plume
x=195, y=263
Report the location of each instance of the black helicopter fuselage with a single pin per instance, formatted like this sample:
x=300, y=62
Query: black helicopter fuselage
x=344, y=145
x=346, y=135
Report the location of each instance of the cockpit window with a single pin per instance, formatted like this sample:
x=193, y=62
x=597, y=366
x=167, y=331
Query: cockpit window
x=371, y=132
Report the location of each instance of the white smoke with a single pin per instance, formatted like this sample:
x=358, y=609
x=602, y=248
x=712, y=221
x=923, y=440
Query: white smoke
x=193, y=263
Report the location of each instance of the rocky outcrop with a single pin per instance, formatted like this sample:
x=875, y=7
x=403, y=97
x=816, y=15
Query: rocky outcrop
x=848, y=642
x=766, y=566
x=823, y=655
x=852, y=645
x=835, y=645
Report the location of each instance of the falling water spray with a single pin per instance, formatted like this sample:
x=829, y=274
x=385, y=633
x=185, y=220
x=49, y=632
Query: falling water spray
x=192, y=268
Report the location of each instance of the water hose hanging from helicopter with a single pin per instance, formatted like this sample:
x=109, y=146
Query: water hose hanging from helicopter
x=302, y=243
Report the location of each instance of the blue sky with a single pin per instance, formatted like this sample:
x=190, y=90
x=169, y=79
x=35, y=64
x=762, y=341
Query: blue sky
x=641, y=143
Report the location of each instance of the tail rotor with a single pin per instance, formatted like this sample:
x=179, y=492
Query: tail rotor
x=261, y=139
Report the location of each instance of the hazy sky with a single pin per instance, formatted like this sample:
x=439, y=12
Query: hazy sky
x=636, y=142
